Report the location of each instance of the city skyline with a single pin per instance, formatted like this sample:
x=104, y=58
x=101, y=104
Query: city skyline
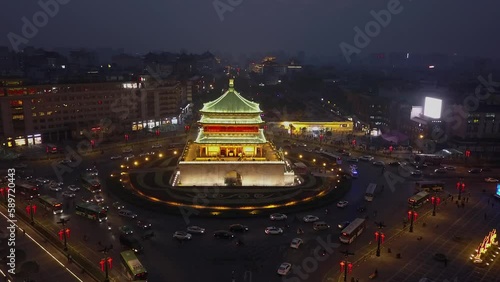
x=316, y=27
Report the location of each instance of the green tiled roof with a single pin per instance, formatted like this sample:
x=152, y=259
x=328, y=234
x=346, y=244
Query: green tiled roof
x=231, y=138
x=231, y=102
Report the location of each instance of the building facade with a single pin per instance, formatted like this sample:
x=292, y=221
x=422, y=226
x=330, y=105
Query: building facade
x=52, y=113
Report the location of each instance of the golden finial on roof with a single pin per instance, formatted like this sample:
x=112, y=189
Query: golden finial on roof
x=231, y=83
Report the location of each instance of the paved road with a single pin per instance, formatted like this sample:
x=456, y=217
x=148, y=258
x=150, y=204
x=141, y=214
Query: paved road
x=207, y=259
x=53, y=265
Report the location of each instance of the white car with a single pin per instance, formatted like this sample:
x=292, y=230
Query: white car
x=127, y=213
x=296, y=242
x=195, y=230
x=284, y=268
x=129, y=156
x=378, y=163
x=440, y=170
x=277, y=216
x=55, y=188
x=450, y=168
x=117, y=157
x=68, y=194
x=310, y=218
x=273, y=230
x=182, y=235
x=98, y=198
x=73, y=188
x=491, y=180
x=367, y=158
x=342, y=204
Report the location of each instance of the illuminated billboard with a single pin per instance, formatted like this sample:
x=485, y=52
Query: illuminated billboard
x=498, y=191
x=432, y=107
x=416, y=111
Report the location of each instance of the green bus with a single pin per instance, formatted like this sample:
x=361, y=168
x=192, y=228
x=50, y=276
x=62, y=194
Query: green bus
x=135, y=269
x=51, y=204
x=418, y=199
x=91, y=211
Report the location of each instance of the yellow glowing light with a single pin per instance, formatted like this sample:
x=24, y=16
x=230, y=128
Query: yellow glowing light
x=286, y=153
x=122, y=166
x=112, y=175
x=340, y=169
x=136, y=163
x=175, y=152
x=421, y=136
x=324, y=164
x=147, y=159
x=300, y=156
x=314, y=160
x=160, y=155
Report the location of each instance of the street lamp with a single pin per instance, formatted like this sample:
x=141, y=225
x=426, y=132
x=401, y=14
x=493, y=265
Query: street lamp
x=379, y=236
x=412, y=216
x=460, y=188
x=435, y=201
x=64, y=232
x=345, y=265
x=106, y=263
x=31, y=210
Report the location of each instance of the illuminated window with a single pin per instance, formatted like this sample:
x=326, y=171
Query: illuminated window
x=18, y=117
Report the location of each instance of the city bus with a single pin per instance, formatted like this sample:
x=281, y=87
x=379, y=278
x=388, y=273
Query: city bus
x=27, y=190
x=91, y=211
x=429, y=158
x=352, y=231
x=135, y=270
x=370, y=192
x=51, y=204
x=429, y=186
x=418, y=199
x=91, y=183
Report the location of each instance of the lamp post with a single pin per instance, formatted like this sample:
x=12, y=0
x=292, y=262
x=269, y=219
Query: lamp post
x=106, y=263
x=64, y=232
x=435, y=201
x=379, y=236
x=412, y=216
x=345, y=265
x=460, y=188
x=31, y=210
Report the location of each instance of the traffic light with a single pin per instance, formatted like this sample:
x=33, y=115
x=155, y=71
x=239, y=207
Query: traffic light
x=102, y=264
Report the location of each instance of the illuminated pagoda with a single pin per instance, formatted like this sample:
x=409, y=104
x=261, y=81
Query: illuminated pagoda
x=231, y=149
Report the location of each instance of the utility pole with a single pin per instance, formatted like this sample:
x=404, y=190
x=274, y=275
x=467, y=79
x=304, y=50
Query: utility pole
x=106, y=262
x=379, y=236
x=345, y=265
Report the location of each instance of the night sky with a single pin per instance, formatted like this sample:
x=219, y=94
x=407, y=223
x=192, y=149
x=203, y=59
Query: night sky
x=315, y=26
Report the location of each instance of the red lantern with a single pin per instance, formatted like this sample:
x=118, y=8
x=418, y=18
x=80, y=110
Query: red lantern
x=376, y=236
x=61, y=232
x=467, y=153
x=463, y=186
x=349, y=268
x=33, y=207
x=67, y=231
x=390, y=148
x=126, y=137
x=382, y=238
x=110, y=263
x=102, y=264
x=28, y=209
x=342, y=266
x=458, y=185
x=157, y=132
x=2, y=191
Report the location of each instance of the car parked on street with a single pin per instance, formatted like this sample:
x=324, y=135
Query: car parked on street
x=195, y=230
x=182, y=235
x=310, y=218
x=273, y=230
